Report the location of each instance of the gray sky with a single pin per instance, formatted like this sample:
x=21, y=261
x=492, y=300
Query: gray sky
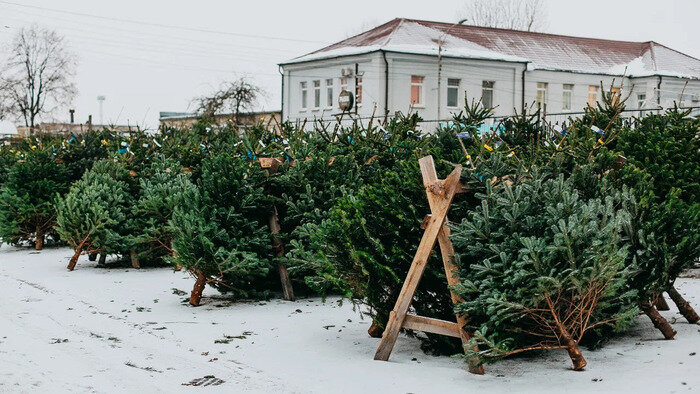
x=143, y=69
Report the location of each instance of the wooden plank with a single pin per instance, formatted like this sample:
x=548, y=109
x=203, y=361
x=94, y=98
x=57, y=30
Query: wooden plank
x=435, y=326
x=287, y=289
x=444, y=194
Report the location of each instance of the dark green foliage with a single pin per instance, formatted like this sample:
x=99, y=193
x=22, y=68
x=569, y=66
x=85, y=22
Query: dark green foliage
x=663, y=167
x=163, y=189
x=92, y=216
x=222, y=232
x=534, y=242
x=27, y=197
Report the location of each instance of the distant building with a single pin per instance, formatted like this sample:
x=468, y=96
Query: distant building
x=187, y=119
x=395, y=67
x=71, y=128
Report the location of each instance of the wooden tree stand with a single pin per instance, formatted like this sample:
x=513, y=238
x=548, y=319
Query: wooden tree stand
x=440, y=193
x=271, y=164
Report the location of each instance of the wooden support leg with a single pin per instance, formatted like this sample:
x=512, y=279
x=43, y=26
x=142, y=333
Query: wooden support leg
x=440, y=194
x=287, y=289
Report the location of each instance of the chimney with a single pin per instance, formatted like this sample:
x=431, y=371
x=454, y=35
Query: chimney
x=72, y=116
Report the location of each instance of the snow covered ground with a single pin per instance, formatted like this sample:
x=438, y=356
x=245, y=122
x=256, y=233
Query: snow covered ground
x=126, y=330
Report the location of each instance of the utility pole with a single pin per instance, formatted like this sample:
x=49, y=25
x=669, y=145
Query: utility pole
x=441, y=41
x=101, y=100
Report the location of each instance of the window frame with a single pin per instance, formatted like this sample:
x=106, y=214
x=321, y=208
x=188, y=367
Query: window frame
x=316, y=86
x=304, y=95
x=544, y=88
x=421, y=91
x=358, y=91
x=485, y=88
x=330, y=97
x=593, y=91
x=567, y=99
x=455, y=89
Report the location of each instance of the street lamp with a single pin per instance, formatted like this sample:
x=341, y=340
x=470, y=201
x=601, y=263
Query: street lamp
x=441, y=41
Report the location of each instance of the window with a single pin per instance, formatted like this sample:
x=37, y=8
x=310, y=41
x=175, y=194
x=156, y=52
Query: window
x=317, y=94
x=592, y=95
x=358, y=90
x=487, y=93
x=452, y=92
x=566, y=96
x=641, y=100
x=304, y=95
x=542, y=96
x=329, y=92
x=616, y=95
x=416, y=90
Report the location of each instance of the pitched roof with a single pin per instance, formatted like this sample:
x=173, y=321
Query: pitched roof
x=542, y=51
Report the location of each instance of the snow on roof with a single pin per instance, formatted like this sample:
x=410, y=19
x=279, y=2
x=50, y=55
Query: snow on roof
x=542, y=51
x=7, y=128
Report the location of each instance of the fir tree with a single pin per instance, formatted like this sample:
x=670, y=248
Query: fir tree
x=92, y=216
x=163, y=189
x=541, y=268
x=27, y=197
x=221, y=234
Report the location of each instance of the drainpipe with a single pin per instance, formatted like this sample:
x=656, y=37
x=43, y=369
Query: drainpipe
x=386, y=87
x=522, y=89
x=279, y=69
x=658, y=92
x=357, y=70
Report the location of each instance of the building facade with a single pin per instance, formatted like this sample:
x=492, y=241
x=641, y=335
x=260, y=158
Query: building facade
x=395, y=67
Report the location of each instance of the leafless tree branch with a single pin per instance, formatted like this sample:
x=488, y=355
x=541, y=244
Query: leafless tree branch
x=36, y=79
x=528, y=15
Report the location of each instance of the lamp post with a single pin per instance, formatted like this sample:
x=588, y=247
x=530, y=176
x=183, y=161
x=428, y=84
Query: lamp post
x=441, y=41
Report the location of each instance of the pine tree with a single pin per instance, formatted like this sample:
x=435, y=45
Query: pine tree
x=92, y=216
x=541, y=268
x=27, y=197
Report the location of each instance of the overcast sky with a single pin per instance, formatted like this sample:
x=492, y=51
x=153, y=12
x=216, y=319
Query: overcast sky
x=143, y=69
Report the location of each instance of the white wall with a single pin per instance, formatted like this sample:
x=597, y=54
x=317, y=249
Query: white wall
x=507, y=89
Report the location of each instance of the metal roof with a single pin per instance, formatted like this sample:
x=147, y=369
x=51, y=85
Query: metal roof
x=541, y=50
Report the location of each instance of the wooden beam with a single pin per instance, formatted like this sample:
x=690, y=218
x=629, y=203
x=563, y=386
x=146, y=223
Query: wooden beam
x=434, y=326
x=443, y=198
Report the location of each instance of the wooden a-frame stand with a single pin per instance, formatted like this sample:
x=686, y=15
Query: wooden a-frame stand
x=440, y=193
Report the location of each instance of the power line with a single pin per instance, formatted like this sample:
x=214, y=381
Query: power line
x=161, y=25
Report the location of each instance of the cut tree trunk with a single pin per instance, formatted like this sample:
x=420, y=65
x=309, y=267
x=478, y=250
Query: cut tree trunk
x=39, y=242
x=74, y=260
x=92, y=256
x=683, y=306
x=103, y=259
x=659, y=322
x=574, y=352
x=134, y=259
x=660, y=303
x=375, y=331
x=196, y=295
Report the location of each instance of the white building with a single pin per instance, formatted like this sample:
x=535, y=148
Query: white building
x=394, y=67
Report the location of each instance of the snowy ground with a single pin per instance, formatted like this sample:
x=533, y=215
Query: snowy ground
x=126, y=330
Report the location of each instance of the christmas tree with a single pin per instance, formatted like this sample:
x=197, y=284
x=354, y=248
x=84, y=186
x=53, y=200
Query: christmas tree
x=92, y=216
x=540, y=268
x=27, y=196
x=162, y=189
x=221, y=234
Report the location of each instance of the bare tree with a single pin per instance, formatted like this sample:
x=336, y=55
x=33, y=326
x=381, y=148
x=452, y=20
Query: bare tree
x=37, y=76
x=232, y=97
x=528, y=15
